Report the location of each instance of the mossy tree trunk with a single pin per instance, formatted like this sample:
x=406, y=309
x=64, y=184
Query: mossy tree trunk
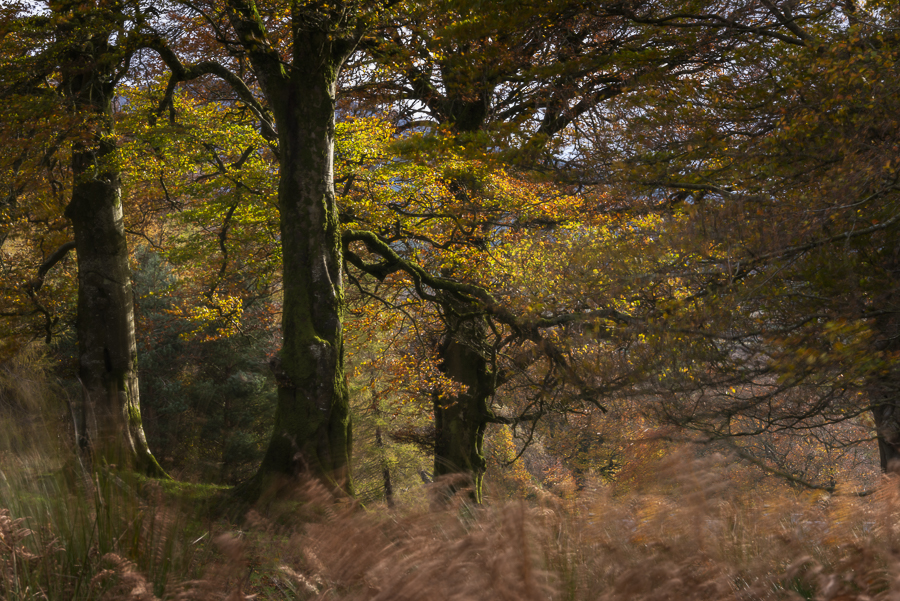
x=312, y=434
x=461, y=420
x=107, y=352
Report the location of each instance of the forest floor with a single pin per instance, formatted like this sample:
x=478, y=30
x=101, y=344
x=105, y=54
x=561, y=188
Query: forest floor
x=685, y=533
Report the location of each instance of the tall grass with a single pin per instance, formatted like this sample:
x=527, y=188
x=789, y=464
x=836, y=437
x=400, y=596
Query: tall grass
x=685, y=535
x=67, y=534
x=684, y=532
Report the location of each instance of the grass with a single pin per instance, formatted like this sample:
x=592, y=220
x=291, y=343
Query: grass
x=683, y=531
x=684, y=535
x=64, y=542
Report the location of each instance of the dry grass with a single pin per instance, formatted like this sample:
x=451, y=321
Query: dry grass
x=687, y=532
x=685, y=535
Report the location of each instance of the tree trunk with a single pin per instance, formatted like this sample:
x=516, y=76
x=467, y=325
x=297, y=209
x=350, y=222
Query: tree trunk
x=460, y=421
x=312, y=432
x=884, y=389
x=107, y=362
x=887, y=426
x=385, y=468
x=107, y=352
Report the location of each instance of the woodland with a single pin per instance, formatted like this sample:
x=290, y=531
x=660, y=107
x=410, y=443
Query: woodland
x=336, y=299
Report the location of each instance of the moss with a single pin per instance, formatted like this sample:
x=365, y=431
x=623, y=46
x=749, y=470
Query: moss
x=204, y=500
x=134, y=416
x=150, y=466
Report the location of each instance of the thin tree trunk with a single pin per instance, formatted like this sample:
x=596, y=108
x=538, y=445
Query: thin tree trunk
x=385, y=468
x=377, y=415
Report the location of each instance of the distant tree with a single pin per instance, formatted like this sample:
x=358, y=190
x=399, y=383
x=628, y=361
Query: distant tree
x=506, y=84
x=779, y=172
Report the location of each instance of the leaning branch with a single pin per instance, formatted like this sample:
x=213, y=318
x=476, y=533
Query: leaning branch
x=55, y=258
x=481, y=299
x=182, y=73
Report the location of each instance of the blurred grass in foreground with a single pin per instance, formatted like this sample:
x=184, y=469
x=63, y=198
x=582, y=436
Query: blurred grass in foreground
x=683, y=533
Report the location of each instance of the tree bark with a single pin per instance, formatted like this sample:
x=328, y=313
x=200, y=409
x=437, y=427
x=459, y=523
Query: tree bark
x=312, y=434
x=884, y=389
x=461, y=420
x=90, y=69
x=107, y=352
x=887, y=425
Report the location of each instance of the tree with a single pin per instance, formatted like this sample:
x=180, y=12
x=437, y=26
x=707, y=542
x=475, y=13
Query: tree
x=86, y=50
x=782, y=172
x=296, y=53
x=506, y=84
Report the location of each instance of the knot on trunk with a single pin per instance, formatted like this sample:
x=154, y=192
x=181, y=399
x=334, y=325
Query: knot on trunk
x=281, y=377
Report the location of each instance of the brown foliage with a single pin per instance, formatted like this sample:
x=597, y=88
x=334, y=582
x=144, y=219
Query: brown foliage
x=684, y=532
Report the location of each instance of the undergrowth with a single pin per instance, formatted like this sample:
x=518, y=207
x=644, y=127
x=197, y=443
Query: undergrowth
x=683, y=533
x=686, y=535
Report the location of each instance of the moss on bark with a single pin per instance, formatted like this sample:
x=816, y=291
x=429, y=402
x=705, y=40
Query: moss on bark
x=312, y=435
x=107, y=362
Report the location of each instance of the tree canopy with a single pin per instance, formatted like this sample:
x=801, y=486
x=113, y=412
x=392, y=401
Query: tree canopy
x=666, y=215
